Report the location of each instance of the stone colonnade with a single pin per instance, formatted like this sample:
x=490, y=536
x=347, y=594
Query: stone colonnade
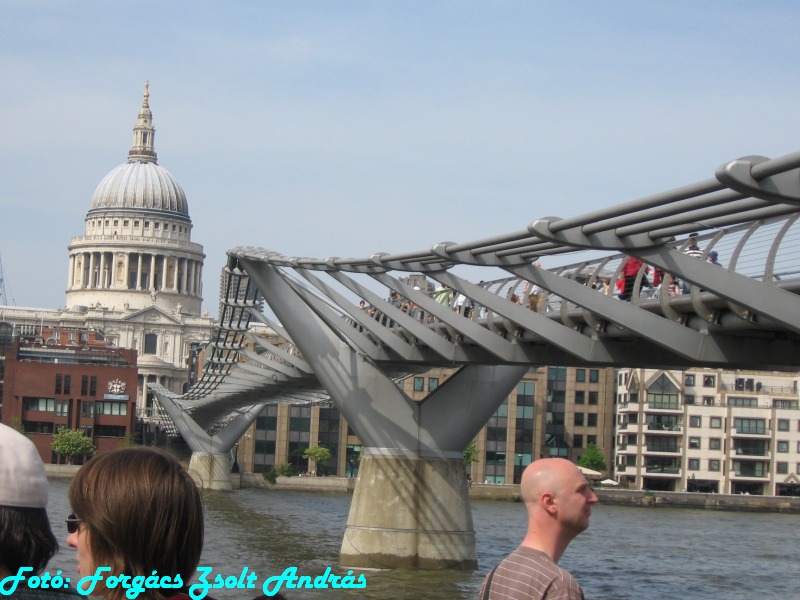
x=138, y=271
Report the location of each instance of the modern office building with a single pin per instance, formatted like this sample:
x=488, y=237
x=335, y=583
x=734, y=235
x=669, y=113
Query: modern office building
x=708, y=430
x=555, y=411
x=72, y=380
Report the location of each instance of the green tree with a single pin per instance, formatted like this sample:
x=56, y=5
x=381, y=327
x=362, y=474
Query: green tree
x=128, y=442
x=592, y=458
x=284, y=470
x=471, y=453
x=71, y=443
x=17, y=425
x=319, y=454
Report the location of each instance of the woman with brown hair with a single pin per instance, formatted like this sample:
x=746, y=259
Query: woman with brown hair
x=137, y=524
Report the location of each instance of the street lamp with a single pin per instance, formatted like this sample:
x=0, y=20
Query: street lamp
x=352, y=463
x=519, y=467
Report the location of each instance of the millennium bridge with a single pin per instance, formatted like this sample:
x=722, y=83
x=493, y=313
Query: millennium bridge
x=703, y=275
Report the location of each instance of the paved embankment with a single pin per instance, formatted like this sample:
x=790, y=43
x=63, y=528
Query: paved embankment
x=783, y=504
x=510, y=493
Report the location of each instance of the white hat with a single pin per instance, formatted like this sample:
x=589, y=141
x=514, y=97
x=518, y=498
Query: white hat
x=22, y=478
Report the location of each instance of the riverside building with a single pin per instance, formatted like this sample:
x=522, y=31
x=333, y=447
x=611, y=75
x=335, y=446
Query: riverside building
x=70, y=380
x=554, y=411
x=708, y=430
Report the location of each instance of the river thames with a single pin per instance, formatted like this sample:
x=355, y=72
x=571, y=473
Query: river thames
x=627, y=553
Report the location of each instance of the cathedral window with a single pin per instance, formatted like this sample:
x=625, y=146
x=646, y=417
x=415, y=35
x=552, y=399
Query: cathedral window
x=157, y=225
x=150, y=343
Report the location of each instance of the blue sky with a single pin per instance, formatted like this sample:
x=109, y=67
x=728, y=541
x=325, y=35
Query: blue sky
x=346, y=128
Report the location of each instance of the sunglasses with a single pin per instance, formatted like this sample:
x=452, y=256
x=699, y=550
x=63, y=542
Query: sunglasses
x=73, y=523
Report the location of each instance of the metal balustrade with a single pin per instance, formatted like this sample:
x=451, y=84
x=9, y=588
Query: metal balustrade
x=744, y=313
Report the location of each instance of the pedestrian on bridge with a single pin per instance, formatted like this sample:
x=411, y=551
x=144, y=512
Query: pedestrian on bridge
x=558, y=500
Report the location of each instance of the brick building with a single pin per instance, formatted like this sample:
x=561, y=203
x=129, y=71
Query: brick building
x=81, y=383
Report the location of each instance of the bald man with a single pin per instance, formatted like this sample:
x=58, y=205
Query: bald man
x=559, y=501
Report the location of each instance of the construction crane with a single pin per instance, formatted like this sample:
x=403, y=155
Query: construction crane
x=3, y=296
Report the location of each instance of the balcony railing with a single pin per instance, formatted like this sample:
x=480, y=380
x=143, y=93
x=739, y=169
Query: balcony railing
x=664, y=427
x=751, y=431
x=664, y=405
x=661, y=448
x=749, y=473
x=751, y=452
x=665, y=470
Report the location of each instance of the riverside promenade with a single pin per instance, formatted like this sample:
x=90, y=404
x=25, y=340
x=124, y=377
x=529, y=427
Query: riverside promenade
x=510, y=493
x=606, y=495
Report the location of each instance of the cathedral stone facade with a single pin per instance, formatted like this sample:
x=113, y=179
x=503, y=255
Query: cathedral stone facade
x=135, y=276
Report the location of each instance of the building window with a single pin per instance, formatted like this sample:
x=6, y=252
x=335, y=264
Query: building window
x=577, y=441
x=39, y=404
x=790, y=404
x=782, y=446
x=156, y=225
x=594, y=375
x=591, y=439
x=87, y=410
x=62, y=406
x=117, y=431
x=713, y=464
x=84, y=385
x=709, y=381
x=525, y=412
x=580, y=375
x=695, y=421
x=742, y=402
x=593, y=397
x=782, y=468
x=93, y=385
x=433, y=383
x=578, y=419
x=715, y=444
x=783, y=424
x=592, y=420
x=716, y=423
x=111, y=408
x=125, y=222
x=694, y=443
x=37, y=427
x=662, y=393
x=688, y=399
x=147, y=224
x=150, y=343
x=67, y=384
x=750, y=426
x=419, y=384
x=136, y=223
x=580, y=397
x=708, y=400
x=59, y=383
x=688, y=379
x=694, y=464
